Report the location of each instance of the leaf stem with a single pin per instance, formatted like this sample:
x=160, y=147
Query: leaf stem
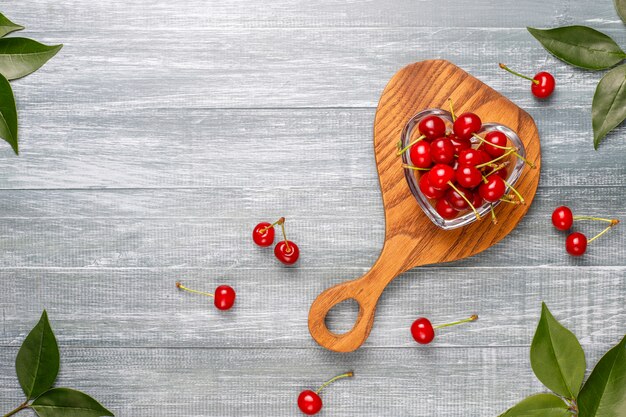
x=18, y=409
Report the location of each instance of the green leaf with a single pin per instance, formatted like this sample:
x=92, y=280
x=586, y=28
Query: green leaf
x=620, y=6
x=65, y=402
x=8, y=114
x=37, y=362
x=6, y=26
x=540, y=405
x=608, y=109
x=556, y=356
x=21, y=56
x=581, y=46
x=604, y=393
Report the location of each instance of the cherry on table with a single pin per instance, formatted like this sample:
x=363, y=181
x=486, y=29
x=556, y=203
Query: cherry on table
x=287, y=252
x=310, y=402
x=466, y=124
x=223, y=298
x=562, y=218
x=263, y=234
x=423, y=331
x=576, y=244
x=542, y=84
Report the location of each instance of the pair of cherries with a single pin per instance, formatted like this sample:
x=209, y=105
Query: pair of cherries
x=457, y=173
x=285, y=251
x=223, y=296
x=576, y=242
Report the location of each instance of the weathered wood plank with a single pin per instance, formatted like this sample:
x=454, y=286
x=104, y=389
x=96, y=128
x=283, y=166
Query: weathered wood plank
x=252, y=68
x=420, y=381
x=166, y=16
x=141, y=307
x=268, y=147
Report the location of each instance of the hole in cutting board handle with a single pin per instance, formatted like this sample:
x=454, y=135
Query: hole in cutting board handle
x=342, y=317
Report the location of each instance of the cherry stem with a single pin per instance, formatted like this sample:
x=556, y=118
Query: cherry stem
x=465, y=198
x=504, y=67
x=279, y=221
x=22, y=406
x=452, y=110
x=506, y=199
x=496, y=167
x=526, y=161
x=403, y=150
x=333, y=379
x=282, y=226
x=454, y=323
x=415, y=168
x=613, y=223
x=601, y=219
x=182, y=287
x=521, y=199
x=489, y=143
x=494, y=219
x=496, y=159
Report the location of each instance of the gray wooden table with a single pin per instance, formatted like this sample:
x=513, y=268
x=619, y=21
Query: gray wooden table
x=164, y=131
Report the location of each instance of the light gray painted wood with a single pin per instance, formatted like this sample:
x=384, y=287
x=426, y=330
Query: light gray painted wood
x=164, y=131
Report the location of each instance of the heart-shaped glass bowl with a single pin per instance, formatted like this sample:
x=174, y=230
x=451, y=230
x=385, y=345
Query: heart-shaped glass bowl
x=515, y=168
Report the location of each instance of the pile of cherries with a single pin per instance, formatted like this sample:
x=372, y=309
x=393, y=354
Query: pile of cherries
x=285, y=251
x=458, y=173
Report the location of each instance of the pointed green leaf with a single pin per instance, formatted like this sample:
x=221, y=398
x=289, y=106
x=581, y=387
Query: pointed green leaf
x=6, y=26
x=580, y=46
x=604, y=393
x=608, y=109
x=620, y=6
x=37, y=362
x=540, y=405
x=556, y=356
x=8, y=114
x=65, y=402
x=21, y=56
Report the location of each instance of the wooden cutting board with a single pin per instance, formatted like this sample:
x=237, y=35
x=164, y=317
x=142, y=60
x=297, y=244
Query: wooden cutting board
x=411, y=239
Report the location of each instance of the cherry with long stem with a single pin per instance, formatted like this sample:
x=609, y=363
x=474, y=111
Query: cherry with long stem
x=310, y=402
x=223, y=298
x=504, y=67
x=423, y=331
x=286, y=251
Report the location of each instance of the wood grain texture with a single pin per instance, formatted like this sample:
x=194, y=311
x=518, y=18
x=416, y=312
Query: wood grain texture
x=163, y=131
x=411, y=239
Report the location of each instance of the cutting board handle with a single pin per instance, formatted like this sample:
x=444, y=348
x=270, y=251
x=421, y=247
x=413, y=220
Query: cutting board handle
x=366, y=291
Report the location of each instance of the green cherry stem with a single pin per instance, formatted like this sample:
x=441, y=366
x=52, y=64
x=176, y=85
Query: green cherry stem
x=613, y=223
x=282, y=226
x=414, y=168
x=403, y=150
x=451, y=110
x=482, y=140
x=18, y=409
x=521, y=199
x=466, y=200
x=474, y=317
x=279, y=221
x=601, y=219
x=182, y=287
x=333, y=379
x=494, y=219
x=509, y=152
x=504, y=67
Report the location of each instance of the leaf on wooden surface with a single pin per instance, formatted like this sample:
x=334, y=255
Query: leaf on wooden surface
x=65, y=402
x=8, y=114
x=620, y=7
x=608, y=109
x=22, y=56
x=580, y=46
x=539, y=405
x=604, y=393
x=556, y=357
x=6, y=26
x=37, y=362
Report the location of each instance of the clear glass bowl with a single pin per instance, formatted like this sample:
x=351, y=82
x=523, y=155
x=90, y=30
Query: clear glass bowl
x=411, y=131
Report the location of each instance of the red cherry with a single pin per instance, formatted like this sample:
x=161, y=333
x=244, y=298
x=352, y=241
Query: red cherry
x=287, y=252
x=422, y=331
x=456, y=201
x=459, y=144
x=545, y=86
x=428, y=190
x=477, y=201
x=263, y=234
x=442, y=151
x=501, y=172
x=440, y=175
x=576, y=244
x=493, y=190
x=562, y=218
x=309, y=402
x=471, y=157
x=445, y=210
x=432, y=127
x=468, y=176
x=466, y=124
x=420, y=155
x=498, y=139
x=224, y=297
